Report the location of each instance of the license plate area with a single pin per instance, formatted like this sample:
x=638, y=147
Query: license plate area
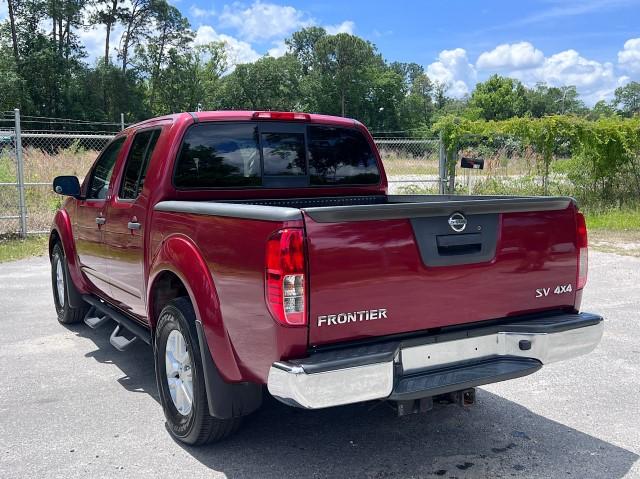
x=426, y=356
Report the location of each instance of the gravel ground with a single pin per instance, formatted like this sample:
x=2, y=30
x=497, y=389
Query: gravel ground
x=73, y=406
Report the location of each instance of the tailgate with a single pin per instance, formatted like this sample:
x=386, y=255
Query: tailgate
x=377, y=270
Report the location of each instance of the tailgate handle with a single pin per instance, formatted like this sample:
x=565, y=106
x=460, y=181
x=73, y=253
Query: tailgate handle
x=450, y=245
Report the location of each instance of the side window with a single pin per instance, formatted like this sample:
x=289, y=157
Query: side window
x=101, y=176
x=137, y=162
x=218, y=155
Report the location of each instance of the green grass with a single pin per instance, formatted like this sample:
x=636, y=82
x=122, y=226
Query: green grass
x=12, y=249
x=619, y=219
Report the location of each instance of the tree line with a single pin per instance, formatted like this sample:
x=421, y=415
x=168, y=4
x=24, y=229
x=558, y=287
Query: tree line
x=159, y=68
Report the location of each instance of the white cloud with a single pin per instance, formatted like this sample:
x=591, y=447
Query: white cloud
x=4, y=10
x=594, y=80
x=629, y=56
x=263, y=21
x=570, y=68
x=511, y=56
x=279, y=49
x=201, y=12
x=238, y=51
x=347, y=26
x=93, y=40
x=454, y=70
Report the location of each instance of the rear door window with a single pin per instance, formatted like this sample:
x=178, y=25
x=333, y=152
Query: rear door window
x=137, y=163
x=340, y=156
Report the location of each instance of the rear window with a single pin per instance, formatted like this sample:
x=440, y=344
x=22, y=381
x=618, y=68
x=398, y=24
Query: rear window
x=219, y=155
x=215, y=155
x=340, y=156
x=284, y=154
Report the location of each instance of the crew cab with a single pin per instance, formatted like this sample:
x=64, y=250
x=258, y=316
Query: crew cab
x=259, y=253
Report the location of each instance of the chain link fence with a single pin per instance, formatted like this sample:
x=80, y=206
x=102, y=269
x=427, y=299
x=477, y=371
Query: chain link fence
x=9, y=191
x=34, y=150
x=510, y=168
x=413, y=165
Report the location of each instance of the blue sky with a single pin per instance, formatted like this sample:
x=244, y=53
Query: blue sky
x=593, y=44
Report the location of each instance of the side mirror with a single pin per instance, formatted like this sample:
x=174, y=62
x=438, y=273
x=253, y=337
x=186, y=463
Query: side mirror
x=67, y=186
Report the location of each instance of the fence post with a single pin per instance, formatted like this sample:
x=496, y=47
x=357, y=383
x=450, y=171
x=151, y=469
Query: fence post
x=442, y=166
x=452, y=172
x=122, y=121
x=20, y=174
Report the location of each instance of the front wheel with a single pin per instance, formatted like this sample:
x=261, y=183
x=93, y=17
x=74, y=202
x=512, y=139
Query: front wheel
x=180, y=378
x=61, y=285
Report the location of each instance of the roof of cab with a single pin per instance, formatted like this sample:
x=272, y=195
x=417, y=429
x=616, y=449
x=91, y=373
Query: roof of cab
x=244, y=115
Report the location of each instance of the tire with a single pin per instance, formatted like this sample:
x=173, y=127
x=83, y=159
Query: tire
x=187, y=415
x=60, y=283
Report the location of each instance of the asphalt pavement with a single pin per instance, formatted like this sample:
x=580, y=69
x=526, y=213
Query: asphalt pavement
x=72, y=406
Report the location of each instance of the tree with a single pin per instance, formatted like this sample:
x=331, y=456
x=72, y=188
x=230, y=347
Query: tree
x=267, y=84
x=137, y=20
x=108, y=13
x=601, y=109
x=499, y=98
x=12, y=85
x=172, y=31
x=213, y=62
x=408, y=71
x=544, y=100
x=627, y=98
x=14, y=35
x=302, y=45
x=384, y=100
x=341, y=65
x=440, y=98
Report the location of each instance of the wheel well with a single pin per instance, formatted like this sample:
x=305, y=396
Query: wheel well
x=53, y=239
x=166, y=287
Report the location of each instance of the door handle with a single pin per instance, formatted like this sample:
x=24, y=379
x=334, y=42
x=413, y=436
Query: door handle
x=101, y=220
x=133, y=225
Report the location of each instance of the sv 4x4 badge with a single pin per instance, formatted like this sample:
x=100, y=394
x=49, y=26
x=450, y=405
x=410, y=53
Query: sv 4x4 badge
x=560, y=289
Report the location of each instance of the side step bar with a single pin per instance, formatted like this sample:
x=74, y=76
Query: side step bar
x=95, y=320
x=122, y=320
x=120, y=342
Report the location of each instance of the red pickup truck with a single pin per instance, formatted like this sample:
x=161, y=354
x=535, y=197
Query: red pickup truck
x=262, y=248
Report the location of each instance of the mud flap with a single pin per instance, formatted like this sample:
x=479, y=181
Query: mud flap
x=226, y=400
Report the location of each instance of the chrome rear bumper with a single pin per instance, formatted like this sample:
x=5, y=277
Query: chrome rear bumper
x=433, y=365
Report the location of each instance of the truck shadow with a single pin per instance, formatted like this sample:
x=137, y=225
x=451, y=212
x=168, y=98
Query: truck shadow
x=494, y=438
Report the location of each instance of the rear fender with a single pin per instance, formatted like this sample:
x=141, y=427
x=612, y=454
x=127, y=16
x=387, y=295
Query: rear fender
x=179, y=255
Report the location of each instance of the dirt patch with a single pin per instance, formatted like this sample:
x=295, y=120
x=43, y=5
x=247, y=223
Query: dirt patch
x=620, y=242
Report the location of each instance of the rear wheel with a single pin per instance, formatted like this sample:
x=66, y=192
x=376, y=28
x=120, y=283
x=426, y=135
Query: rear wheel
x=180, y=378
x=61, y=286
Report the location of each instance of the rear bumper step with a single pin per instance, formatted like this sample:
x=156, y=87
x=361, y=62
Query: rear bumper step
x=433, y=365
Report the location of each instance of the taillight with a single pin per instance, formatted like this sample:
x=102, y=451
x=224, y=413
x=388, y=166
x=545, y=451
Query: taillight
x=281, y=115
x=583, y=250
x=285, y=278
